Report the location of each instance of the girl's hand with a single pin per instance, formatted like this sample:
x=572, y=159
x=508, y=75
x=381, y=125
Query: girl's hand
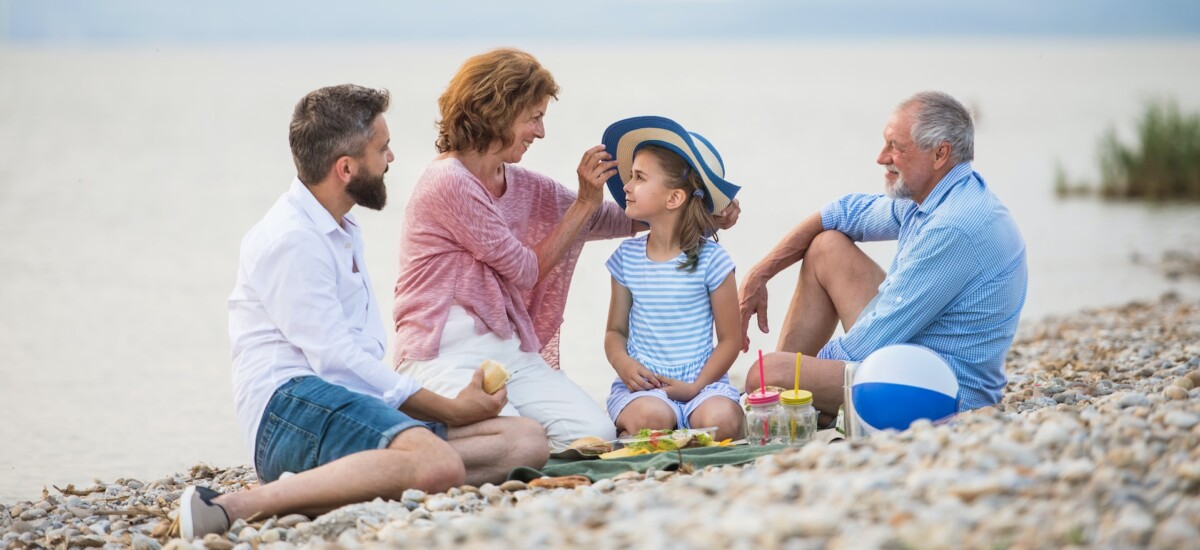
x=637, y=377
x=595, y=168
x=681, y=391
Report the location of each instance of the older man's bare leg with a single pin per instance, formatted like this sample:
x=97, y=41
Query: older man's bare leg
x=492, y=448
x=415, y=459
x=837, y=281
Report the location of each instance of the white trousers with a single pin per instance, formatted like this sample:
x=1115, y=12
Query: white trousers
x=535, y=390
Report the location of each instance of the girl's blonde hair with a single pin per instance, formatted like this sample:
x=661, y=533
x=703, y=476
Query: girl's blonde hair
x=697, y=222
x=486, y=95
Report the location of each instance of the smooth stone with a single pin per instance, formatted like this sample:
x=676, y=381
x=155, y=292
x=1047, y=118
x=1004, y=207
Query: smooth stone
x=1133, y=400
x=141, y=542
x=413, y=495
x=441, y=504
x=271, y=536
x=88, y=541
x=34, y=513
x=1175, y=392
x=604, y=485
x=20, y=527
x=247, y=534
x=1183, y=420
x=1185, y=383
x=513, y=485
x=79, y=512
x=178, y=544
x=134, y=484
x=213, y=541
x=469, y=489
x=292, y=520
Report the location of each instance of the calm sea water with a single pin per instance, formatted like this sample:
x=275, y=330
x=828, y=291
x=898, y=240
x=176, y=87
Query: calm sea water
x=128, y=177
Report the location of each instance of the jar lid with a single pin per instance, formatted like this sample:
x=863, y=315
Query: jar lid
x=760, y=398
x=796, y=397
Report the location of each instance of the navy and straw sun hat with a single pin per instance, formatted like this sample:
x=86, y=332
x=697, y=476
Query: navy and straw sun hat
x=623, y=138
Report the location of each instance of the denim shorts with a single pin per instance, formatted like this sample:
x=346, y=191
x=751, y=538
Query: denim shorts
x=310, y=422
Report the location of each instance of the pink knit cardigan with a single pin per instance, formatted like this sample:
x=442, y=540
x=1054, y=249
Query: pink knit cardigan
x=461, y=244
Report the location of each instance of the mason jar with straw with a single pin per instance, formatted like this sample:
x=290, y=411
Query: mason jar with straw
x=801, y=417
x=766, y=422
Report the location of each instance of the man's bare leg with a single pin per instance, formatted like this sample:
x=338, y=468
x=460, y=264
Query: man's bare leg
x=416, y=459
x=837, y=281
x=492, y=448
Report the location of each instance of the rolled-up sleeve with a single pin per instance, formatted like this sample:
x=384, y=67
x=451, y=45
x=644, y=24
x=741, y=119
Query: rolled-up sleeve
x=863, y=217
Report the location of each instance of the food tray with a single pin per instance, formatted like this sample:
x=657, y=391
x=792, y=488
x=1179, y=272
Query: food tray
x=657, y=441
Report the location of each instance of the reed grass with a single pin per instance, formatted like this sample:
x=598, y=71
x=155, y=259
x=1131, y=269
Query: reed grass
x=1163, y=164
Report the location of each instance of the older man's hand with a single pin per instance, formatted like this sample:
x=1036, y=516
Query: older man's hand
x=752, y=301
x=729, y=216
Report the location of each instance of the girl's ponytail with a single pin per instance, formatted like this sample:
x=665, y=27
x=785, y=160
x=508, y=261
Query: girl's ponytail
x=696, y=223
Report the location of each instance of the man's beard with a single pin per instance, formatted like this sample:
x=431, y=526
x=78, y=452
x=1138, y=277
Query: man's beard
x=898, y=190
x=368, y=191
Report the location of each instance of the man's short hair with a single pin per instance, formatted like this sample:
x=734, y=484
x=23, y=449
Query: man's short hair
x=938, y=117
x=331, y=123
x=486, y=95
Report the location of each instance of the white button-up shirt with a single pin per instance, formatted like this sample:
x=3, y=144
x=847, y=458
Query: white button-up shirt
x=303, y=306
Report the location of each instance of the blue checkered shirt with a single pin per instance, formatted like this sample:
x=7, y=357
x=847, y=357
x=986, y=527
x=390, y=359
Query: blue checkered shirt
x=956, y=285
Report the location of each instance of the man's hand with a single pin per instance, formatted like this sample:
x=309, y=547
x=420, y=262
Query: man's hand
x=473, y=404
x=752, y=302
x=637, y=377
x=726, y=218
x=681, y=391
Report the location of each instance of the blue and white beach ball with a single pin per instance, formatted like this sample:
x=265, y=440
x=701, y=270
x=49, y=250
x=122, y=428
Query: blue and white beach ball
x=898, y=384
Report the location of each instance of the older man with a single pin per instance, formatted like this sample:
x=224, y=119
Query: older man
x=312, y=394
x=956, y=285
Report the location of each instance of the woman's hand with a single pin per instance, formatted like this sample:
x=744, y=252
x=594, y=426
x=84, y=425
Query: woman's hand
x=681, y=391
x=637, y=377
x=729, y=216
x=595, y=168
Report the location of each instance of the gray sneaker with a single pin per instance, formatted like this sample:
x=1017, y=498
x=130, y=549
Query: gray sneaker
x=199, y=515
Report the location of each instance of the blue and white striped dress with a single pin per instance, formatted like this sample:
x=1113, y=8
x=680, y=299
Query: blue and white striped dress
x=671, y=319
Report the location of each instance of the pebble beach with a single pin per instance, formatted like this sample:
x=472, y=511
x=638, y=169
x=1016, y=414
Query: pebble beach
x=1096, y=444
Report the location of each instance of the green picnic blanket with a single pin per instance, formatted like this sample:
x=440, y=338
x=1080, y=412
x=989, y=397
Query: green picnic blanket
x=596, y=470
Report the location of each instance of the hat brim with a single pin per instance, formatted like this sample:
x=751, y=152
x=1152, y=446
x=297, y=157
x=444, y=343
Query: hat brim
x=623, y=138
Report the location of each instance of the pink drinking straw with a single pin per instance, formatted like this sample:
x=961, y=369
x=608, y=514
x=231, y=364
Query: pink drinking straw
x=762, y=391
x=762, y=378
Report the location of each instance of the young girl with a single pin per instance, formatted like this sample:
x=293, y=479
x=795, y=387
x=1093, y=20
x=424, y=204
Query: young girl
x=671, y=284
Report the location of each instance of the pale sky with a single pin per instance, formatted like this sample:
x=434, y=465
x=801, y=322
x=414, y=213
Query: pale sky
x=142, y=22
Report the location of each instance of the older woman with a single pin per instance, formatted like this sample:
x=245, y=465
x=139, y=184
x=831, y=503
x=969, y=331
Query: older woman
x=488, y=248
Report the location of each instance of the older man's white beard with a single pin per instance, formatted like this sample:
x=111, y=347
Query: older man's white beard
x=897, y=190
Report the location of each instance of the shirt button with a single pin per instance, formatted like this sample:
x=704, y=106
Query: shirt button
x=347, y=245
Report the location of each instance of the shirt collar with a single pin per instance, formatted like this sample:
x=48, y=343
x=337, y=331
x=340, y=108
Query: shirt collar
x=321, y=218
x=957, y=175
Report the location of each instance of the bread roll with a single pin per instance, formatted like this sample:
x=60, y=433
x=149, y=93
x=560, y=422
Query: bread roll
x=494, y=376
x=591, y=445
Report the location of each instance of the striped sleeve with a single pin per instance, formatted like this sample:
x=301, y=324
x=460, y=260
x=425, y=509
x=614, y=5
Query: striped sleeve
x=865, y=217
x=616, y=264
x=718, y=266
